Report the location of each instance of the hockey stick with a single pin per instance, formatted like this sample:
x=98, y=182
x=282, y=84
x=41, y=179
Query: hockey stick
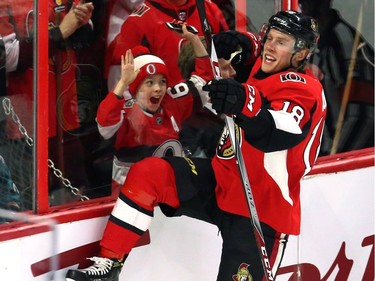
x=348, y=84
x=237, y=150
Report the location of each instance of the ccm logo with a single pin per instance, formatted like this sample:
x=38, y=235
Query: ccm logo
x=251, y=98
x=266, y=263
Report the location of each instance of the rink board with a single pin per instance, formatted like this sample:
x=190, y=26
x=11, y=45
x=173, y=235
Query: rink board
x=336, y=242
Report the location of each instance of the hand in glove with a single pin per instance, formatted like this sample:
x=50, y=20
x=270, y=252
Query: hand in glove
x=227, y=95
x=228, y=42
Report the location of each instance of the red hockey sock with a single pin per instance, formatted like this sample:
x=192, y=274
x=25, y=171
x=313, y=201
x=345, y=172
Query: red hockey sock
x=148, y=183
x=117, y=241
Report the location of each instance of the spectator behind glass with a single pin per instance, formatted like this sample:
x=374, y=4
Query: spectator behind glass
x=149, y=124
x=333, y=59
x=231, y=15
x=279, y=118
x=118, y=12
x=146, y=27
x=68, y=28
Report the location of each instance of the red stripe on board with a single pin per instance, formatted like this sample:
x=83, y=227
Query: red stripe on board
x=77, y=256
x=344, y=161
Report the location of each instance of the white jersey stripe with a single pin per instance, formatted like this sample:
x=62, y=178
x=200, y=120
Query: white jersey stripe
x=129, y=215
x=276, y=166
x=279, y=254
x=285, y=121
x=108, y=131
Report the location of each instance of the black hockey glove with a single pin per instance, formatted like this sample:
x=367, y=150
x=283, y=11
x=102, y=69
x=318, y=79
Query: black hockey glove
x=227, y=42
x=227, y=95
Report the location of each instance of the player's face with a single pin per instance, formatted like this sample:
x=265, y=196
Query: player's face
x=277, y=51
x=226, y=68
x=151, y=92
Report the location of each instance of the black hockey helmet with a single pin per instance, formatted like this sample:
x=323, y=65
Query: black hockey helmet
x=302, y=27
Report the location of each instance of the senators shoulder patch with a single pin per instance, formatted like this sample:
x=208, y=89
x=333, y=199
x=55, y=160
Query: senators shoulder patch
x=129, y=103
x=141, y=10
x=292, y=77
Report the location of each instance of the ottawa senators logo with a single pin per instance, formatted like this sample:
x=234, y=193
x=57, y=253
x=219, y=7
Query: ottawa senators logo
x=292, y=77
x=314, y=25
x=225, y=149
x=243, y=273
x=59, y=7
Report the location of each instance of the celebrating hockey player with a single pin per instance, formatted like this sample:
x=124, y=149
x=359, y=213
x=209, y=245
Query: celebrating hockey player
x=279, y=115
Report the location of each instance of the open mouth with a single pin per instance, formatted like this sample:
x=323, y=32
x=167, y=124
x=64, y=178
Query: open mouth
x=154, y=100
x=269, y=59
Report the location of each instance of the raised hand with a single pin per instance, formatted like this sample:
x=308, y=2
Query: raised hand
x=128, y=74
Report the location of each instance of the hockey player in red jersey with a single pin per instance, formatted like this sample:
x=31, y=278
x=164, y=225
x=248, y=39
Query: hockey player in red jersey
x=146, y=26
x=279, y=115
x=149, y=124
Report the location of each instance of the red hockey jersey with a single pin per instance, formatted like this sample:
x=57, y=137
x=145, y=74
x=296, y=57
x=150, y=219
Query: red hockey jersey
x=279, y=145
x=146, y=26
x=139, y=134
x=136, y=128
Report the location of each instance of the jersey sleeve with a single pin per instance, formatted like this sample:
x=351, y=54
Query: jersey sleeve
x=255, y=47
x=110, y=115
x=283, y=121
x=182, y=99
x=203, y=69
